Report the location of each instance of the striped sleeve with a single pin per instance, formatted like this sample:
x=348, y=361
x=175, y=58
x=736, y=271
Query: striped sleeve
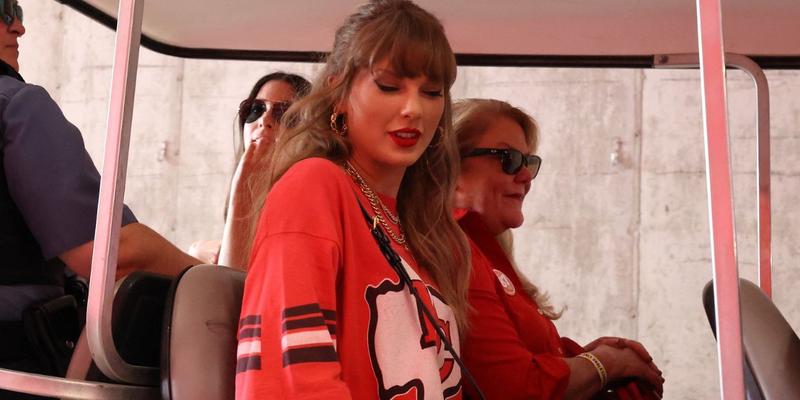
x=248, y=352
x=287, y=332
x=287, y=336
x=308, y=334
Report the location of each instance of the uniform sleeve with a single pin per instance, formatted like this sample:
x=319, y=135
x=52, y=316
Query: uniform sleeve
x=494, y=353
x=287, y=334
x=50, y=175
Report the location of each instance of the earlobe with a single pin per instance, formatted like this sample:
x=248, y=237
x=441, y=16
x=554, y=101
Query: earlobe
x=340, y=107
x=460, y=198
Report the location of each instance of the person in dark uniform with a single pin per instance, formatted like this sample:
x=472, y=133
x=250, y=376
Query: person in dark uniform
x=48, y=204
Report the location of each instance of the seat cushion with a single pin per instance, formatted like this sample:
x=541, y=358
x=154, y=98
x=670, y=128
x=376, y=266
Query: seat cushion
x=199, y=339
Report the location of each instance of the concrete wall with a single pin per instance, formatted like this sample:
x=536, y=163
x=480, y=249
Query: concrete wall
x=623, y=246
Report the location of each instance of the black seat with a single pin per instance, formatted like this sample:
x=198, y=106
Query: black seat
x=136, y=322
x=771, y=347
x=138, y=316
x=199, y=339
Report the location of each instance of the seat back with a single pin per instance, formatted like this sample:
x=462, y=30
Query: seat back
x=136, y=325
x=137, y=317
x=199, y=339
x=771, y=347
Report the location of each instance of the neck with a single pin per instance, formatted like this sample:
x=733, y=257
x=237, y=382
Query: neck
x=6, y=69
x=465, y=201
x=385, y=180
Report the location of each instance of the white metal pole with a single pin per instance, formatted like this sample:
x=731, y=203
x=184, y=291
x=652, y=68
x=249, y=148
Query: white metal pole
x=109, y=210
x=720, y=197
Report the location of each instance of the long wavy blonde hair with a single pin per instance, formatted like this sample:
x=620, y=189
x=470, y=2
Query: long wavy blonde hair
x=414, y=43
x=472, y=119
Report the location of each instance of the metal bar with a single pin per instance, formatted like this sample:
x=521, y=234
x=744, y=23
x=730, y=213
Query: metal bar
x=763, y=197
x=44, y=385
x=81, y=359
x=109, y=210
x=723, y=256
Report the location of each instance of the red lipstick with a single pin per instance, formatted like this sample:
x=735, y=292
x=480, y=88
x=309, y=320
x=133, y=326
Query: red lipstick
x=405, y=137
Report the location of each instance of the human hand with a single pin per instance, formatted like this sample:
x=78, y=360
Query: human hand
x=252, y=160
x=254, y=156
x=622, y=343
x=629, y=389
x=625, y=359
x=206, y=251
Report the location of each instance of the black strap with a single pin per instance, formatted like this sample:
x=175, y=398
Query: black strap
x=396, y=263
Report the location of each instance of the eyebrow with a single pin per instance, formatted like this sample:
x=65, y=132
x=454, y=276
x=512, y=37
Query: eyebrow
x=378, y=72
x=512, y=147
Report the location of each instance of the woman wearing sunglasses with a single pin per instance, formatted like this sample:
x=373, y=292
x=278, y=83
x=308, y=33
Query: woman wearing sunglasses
x=512, y=347
x=258, y=120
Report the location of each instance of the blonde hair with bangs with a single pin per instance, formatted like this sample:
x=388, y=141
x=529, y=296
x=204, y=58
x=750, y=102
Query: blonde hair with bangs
x=414, y=43
x=472, y=117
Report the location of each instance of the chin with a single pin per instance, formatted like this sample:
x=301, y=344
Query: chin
x=515, y=222
x=404, y=160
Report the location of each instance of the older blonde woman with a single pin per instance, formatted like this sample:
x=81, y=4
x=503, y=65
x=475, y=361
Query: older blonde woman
x=512, y=347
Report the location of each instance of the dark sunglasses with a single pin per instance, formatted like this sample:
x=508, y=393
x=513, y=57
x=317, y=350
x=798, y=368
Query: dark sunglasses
x=252, y=109
x=10, y=9
x=511, y=160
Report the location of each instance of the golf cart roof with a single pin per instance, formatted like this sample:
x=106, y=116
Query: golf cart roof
x=623, y=33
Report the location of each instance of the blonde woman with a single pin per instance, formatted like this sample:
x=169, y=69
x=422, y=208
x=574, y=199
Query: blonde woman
x=512, y=347
x=324, y=314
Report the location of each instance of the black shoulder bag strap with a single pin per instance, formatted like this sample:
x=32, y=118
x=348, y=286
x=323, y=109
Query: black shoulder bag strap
x=396, y=263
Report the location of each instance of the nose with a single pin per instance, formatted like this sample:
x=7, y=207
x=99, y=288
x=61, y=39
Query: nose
x=17, y=27
x=523, y=176
x=266, y=118
x=412, y=108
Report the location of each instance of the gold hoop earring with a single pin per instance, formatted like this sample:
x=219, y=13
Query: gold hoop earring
x=335, y=124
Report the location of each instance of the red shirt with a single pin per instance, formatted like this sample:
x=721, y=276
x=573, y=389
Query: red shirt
x=324, y=316
x=513, y=351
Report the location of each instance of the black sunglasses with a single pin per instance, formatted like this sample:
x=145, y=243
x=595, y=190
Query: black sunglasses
x=512, y=160
x=251, y=109
x=10, y=9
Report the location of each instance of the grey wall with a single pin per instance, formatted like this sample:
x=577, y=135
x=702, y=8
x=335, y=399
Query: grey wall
x=624, y=247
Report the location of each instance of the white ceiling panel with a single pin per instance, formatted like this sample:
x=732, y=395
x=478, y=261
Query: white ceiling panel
x=204, y=28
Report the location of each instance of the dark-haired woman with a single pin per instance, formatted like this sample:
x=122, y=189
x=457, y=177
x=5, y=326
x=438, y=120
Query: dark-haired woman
x=258, y=121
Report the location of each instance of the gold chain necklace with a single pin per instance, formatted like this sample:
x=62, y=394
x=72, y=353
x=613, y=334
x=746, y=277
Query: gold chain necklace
x=371, y=196
x=377, y=206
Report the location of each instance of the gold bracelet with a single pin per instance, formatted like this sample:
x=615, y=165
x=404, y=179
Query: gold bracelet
x=601, y=370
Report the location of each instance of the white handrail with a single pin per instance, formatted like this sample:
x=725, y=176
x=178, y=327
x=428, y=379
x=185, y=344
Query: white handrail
x=720, y=198
x=44, y=385
x=763, y=169
x=109, y=209
x=763, y=203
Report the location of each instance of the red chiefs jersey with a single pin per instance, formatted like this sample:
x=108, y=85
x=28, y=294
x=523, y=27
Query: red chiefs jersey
x=324, y=316
x=511, y=349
